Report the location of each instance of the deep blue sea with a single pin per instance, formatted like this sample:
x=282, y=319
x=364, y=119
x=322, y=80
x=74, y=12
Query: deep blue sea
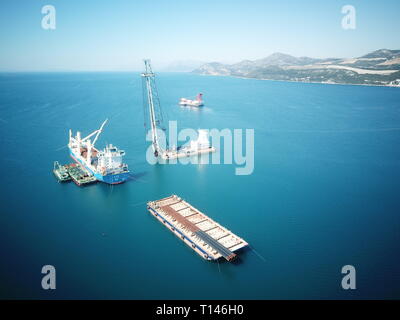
x=324, y=192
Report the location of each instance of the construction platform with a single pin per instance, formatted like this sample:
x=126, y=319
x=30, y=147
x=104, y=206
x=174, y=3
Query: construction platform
x=184, y=152
x=205, y=236
x=79, y=175
x=73, y=172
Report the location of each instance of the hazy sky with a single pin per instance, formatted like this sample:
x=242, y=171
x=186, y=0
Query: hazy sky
x=117, y=35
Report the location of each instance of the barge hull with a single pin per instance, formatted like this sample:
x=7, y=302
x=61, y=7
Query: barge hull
x=169, y=155
x=205, y=236
x=109, y=179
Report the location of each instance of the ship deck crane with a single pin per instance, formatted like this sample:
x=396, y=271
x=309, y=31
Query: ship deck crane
x=90, y=145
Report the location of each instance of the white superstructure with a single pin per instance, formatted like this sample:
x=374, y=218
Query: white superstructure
x=202, y=141
x=110, y=159
x=198, y=102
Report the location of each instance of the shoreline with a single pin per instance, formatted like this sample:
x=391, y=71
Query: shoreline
x=314, y=82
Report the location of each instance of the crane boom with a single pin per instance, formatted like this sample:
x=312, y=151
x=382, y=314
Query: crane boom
x=99, y=131
x=96, y=132
x=155, y=113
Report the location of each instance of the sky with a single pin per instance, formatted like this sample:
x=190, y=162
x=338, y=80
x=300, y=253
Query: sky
x=102, y=35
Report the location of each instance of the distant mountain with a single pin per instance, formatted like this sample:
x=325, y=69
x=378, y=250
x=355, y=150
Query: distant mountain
x=381, y=67
x=383, y=54
x=281, y=59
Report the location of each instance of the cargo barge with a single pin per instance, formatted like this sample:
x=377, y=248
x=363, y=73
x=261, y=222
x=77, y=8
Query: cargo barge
x=78, y=174
x=205, y=236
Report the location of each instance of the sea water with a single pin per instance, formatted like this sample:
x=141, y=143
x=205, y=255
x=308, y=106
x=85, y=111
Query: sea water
x=324, y=192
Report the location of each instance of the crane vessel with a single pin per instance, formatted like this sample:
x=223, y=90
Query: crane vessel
x=155, y=115
x=105, y=165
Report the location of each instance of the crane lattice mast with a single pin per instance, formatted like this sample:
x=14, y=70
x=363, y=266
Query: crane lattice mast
x=155, y=112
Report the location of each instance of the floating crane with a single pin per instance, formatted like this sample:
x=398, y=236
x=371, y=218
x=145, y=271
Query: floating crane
x=154, y=113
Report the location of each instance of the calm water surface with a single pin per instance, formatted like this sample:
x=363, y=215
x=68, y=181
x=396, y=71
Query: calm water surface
x=324, y=192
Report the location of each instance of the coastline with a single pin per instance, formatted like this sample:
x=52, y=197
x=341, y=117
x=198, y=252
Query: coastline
x=314, y=82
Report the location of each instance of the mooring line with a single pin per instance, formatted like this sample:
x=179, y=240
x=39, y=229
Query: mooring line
x=137, y=204
x=140, y=180
x=259, y=255
x=58, y=149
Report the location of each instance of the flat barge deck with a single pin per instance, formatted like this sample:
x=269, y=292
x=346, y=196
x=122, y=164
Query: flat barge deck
x=205, y=236
x=185, y=152
x=73, y=172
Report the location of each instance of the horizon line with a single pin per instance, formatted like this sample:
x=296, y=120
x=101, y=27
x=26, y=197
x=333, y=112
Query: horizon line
x=76, y=71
